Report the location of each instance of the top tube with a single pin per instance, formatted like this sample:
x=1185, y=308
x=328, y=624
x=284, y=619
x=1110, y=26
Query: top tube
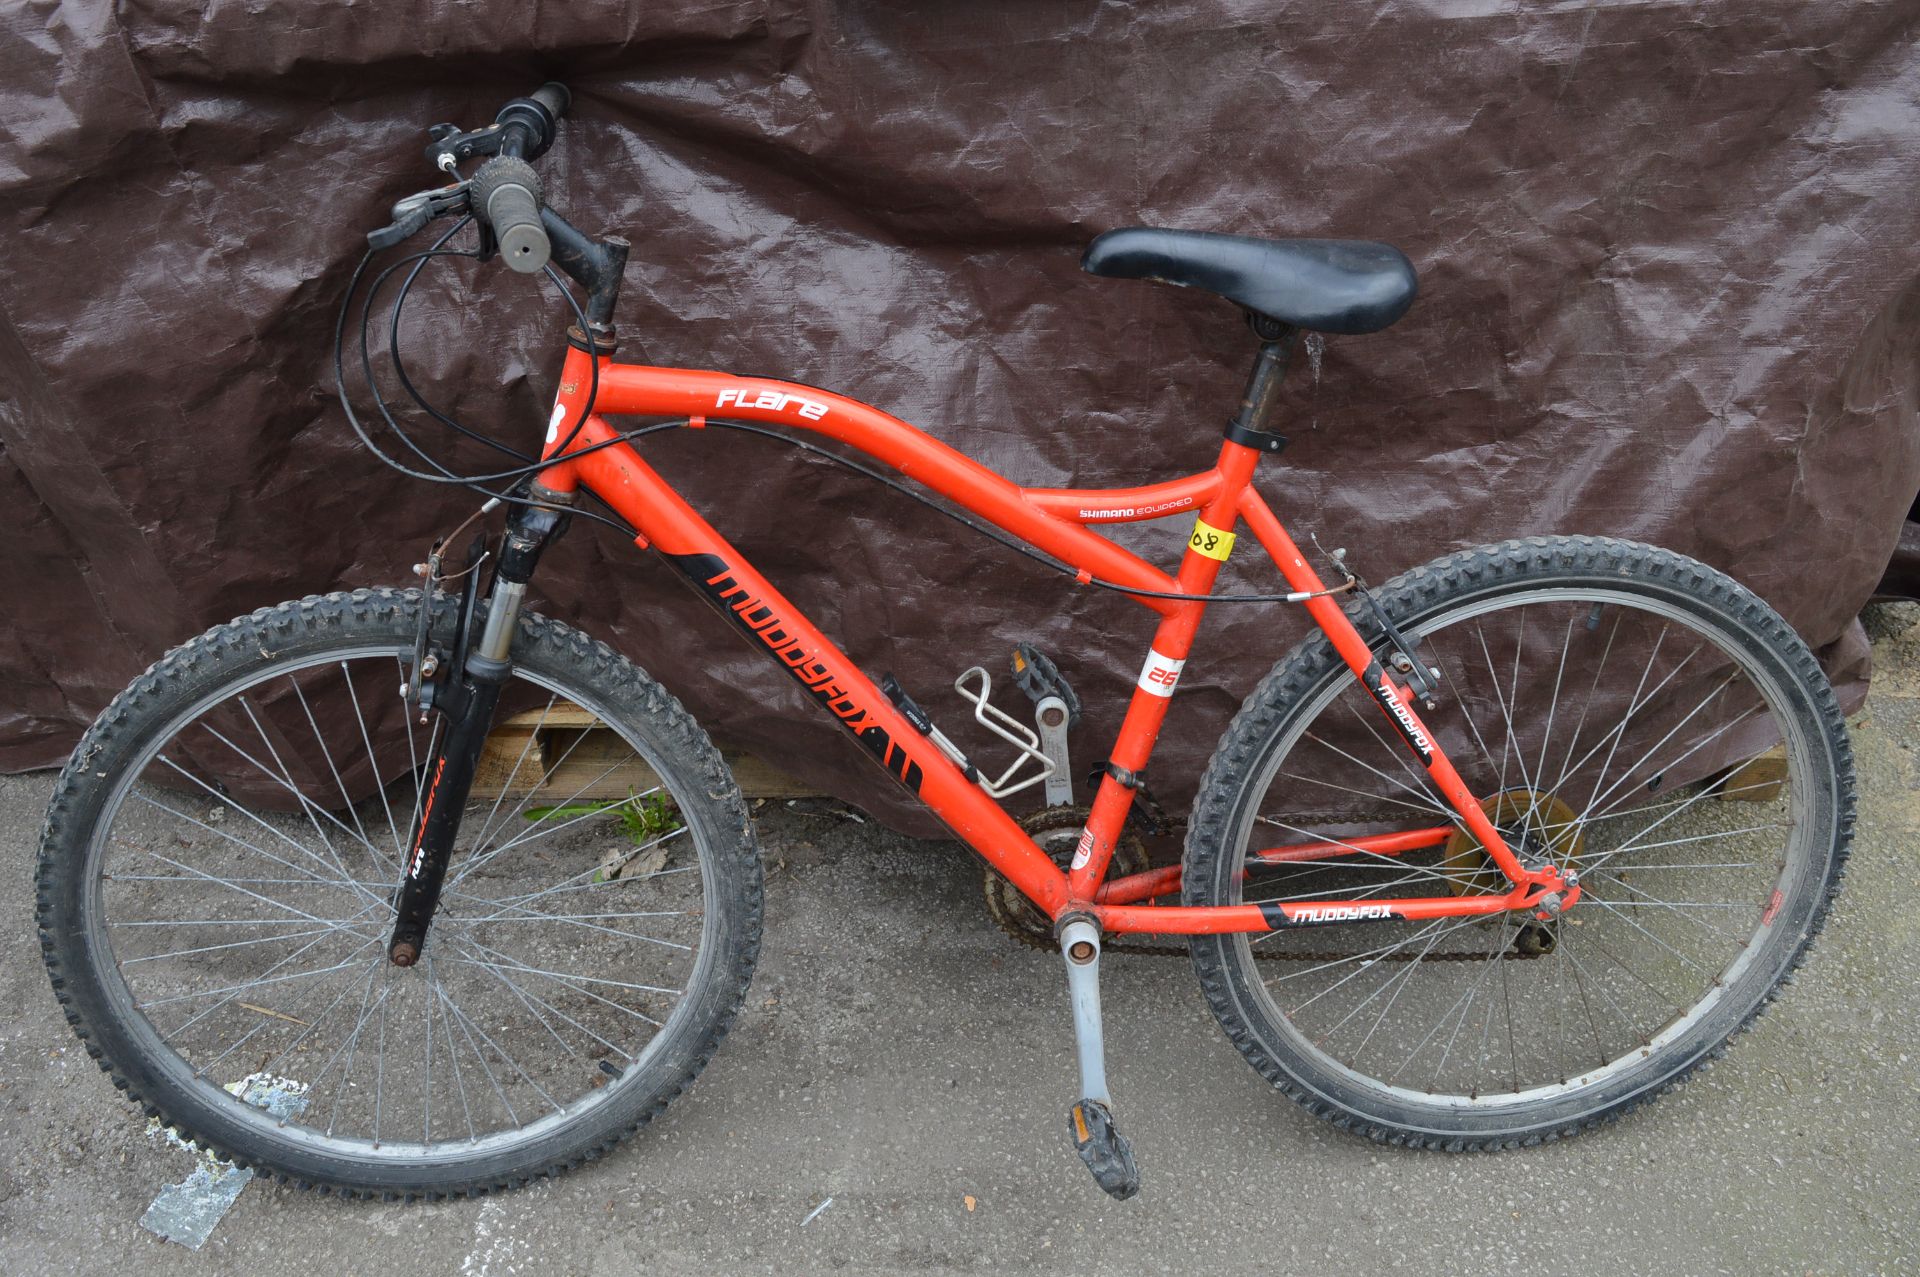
x=1051, y=519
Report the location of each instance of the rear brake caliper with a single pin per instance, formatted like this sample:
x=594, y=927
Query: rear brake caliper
x=1401, y=653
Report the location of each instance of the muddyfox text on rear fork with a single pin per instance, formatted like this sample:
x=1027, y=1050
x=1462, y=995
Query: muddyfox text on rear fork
x=466, y=699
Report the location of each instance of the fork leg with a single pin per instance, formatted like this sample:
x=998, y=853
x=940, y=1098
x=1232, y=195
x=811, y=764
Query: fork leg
x=469, y=703
x=1098, y=1141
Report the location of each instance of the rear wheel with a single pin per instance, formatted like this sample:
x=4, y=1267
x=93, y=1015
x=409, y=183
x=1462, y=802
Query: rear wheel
x=1632, y=715
x=216, y=888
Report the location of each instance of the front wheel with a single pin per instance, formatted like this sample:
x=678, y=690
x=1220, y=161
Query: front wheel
x=1628, y=713
x=217, y=881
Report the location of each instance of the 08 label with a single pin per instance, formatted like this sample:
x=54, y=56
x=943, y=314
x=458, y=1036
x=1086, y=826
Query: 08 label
x=1210, y=541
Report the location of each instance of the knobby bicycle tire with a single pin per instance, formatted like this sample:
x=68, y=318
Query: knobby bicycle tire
x=1729, y=750
x=672, y=872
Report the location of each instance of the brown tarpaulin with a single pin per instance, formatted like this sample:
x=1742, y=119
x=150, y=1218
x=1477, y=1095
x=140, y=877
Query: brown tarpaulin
x=1667, y=292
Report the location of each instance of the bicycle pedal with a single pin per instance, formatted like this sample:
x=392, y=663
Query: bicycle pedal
x=1104, y=1149
x=1035, y=674
x=1056, y=711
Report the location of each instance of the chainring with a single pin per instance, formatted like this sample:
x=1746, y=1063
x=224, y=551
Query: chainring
x=1057, y=831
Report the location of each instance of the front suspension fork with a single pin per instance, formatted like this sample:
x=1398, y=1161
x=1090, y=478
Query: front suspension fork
x=466, y=699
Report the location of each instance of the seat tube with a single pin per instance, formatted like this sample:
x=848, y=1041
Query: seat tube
x=1207, y=550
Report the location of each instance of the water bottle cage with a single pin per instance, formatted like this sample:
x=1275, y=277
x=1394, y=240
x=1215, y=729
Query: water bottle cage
x=1009, y=729
x=995, y=720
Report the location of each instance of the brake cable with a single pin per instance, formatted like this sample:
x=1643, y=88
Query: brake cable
x=446, y=475
x=366, y=363
x=400, y=367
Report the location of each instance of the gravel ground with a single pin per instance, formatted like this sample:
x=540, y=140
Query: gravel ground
x=902, y=1058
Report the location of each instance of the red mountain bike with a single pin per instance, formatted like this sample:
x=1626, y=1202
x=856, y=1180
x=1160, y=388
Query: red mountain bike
x=1512, y=845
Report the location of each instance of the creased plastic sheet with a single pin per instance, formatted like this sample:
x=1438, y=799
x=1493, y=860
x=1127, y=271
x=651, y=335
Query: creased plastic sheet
x=1667, y=292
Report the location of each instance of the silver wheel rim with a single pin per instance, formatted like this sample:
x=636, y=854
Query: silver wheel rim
x=1624, y=885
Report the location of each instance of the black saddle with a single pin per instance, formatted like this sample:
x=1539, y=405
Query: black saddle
x=1326, y=285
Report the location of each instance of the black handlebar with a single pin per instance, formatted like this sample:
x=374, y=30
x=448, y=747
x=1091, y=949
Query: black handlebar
x=554, y=96
x=504, y=195
x=506, y=192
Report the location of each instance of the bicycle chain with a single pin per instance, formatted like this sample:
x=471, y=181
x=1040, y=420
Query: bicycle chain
x=1071, y=819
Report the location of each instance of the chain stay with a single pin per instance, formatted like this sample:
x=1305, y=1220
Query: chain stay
x=1053, y=818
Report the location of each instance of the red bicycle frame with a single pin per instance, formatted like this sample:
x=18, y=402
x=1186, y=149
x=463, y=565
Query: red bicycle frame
x=1054, y=520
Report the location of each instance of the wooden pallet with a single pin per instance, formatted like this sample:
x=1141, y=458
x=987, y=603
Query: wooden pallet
x=560, y=754
x=1758, y=780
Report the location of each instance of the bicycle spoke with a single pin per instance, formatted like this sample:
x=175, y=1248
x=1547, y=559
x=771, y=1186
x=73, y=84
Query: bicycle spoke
x=1379, y=798
x=1394, y=861
x=1586, y=707
x=1466, y=1006
x=284, y=778
x=453, y=1055
x=373, y=766
x=452, y=1011
x=232, y=886
x=1674, y=842
x=1422, y=787
x=1680, y=908
x=585, y=923
x=577, y=881
x=346, y=799
x=1425, y=805
x=261, y=983
x=486, y=854
x=536, y=831
x=237, y=944
x=526, y=748
x=507, y=1056
x=1511, y=739
x=240, y=842
x=1398, y=983
x=512, y=964
x=568, y=977
x=531, y=1000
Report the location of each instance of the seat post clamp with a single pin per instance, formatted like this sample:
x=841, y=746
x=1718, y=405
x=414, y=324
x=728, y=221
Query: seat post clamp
x=1259, y=440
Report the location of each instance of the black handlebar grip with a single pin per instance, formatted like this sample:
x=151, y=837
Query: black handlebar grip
x=506, y=194
x=528, y=125
x=554, y=96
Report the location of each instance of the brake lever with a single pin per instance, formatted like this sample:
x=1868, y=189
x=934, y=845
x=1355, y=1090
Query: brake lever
x=451, y=144
x=416, y=210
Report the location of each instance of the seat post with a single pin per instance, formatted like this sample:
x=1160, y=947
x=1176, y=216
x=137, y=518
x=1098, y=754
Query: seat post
x=1252, y=423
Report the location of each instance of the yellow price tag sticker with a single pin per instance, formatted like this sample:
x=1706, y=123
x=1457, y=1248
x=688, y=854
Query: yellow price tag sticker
x=1210, y=541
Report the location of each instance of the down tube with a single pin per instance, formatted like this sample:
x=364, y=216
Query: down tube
x=772, y=623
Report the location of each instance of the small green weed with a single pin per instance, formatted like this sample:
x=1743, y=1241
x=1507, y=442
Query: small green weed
x=645, y=819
